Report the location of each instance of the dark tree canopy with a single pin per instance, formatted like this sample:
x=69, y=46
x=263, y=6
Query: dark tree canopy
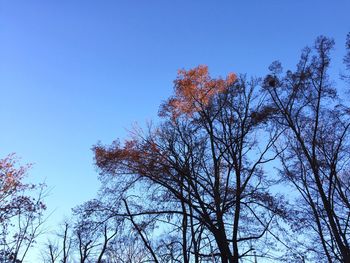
x=236, y=169
x=200, y=172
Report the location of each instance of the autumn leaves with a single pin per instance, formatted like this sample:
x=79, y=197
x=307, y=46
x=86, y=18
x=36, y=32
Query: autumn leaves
x=194, y=89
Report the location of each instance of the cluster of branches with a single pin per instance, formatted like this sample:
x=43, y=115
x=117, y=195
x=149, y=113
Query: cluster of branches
x=316, y=156
x=193, y=188
x=89, y=237
x=200, y=186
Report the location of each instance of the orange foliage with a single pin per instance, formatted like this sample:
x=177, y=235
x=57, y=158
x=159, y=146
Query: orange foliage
x=10, y=177
x=106, y=156
x=134, y=153
x=193, y=91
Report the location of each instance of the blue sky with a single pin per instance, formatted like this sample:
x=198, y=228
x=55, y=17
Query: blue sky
x=73, y=73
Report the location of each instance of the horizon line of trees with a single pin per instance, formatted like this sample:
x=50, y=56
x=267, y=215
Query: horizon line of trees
x=238, y=170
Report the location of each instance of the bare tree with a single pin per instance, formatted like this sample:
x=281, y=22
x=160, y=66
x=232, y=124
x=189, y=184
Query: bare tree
x=59, y=249
x=316, y=162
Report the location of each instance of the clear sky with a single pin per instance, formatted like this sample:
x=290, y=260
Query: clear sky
x=73, y=73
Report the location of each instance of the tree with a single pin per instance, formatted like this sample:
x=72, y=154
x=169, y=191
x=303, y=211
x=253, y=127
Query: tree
x=59, y=249
x=198, y=175
x=92, y=237
x=21, y=215
x=102, y=237
x=315, y=129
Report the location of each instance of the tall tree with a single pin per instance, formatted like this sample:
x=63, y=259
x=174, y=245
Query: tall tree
x=315, y=129
x=198, y=174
